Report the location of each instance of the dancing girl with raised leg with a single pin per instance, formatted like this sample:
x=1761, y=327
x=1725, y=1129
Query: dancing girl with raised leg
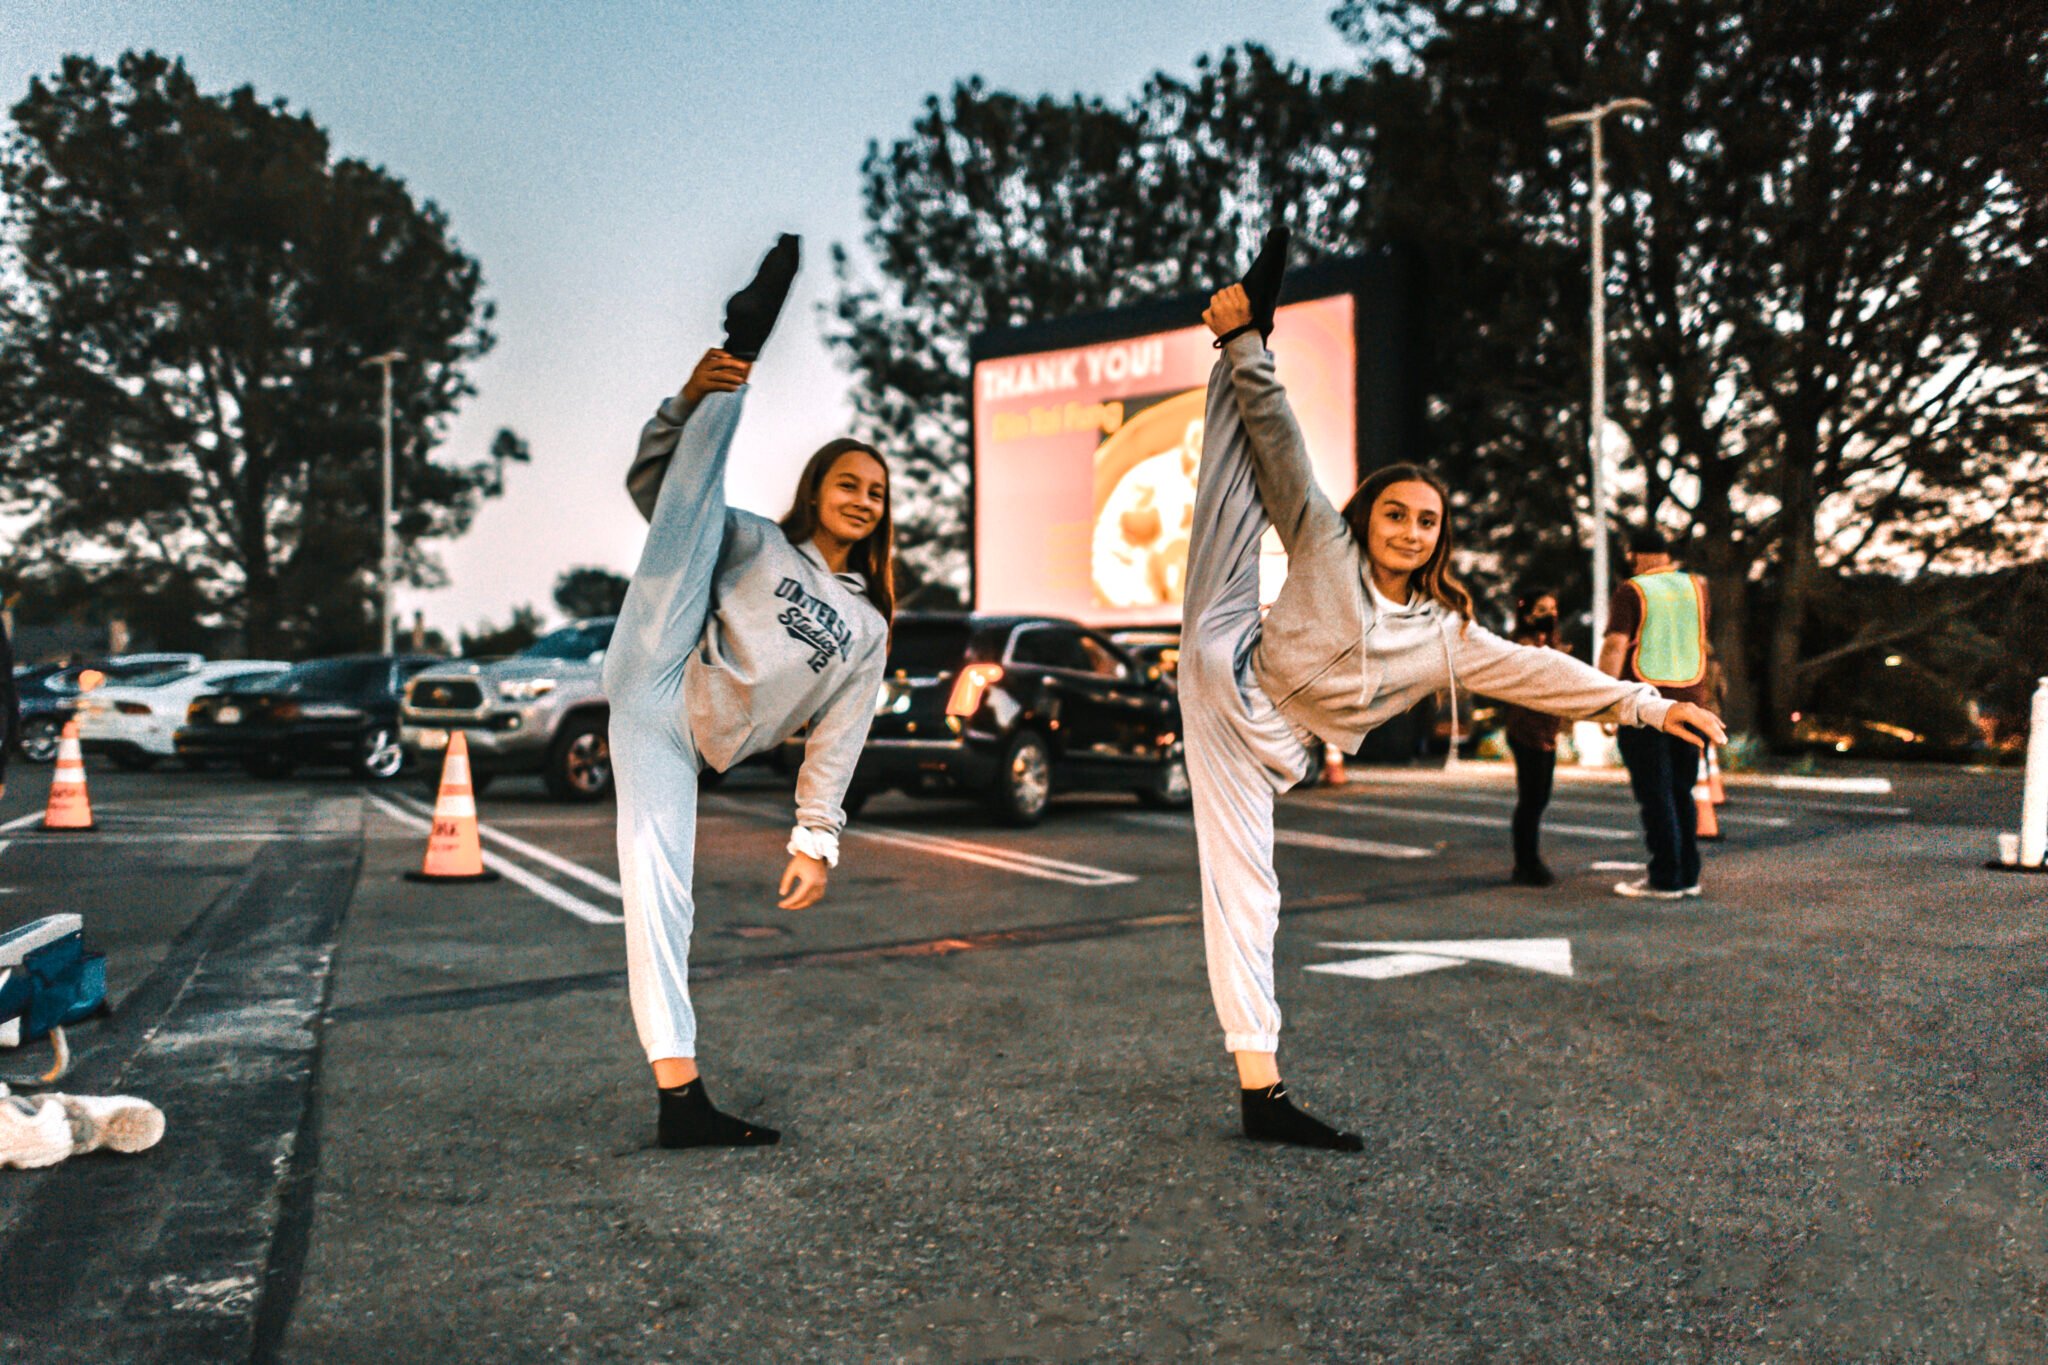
x=1370, y=621
x=736, y=632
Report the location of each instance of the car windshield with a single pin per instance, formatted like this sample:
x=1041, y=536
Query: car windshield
x=926, y=647
x=333, y=677
x=155, y=677
x=249, y=682
x=570, y=642
x=128, y=673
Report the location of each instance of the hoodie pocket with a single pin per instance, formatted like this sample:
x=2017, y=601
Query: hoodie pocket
x=1317, y=676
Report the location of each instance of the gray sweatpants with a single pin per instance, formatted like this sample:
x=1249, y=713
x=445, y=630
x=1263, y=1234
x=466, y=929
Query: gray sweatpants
x=1240, y=750
x=654, y=755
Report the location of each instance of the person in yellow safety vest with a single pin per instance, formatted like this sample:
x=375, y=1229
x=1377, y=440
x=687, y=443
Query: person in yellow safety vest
x=1657, y=633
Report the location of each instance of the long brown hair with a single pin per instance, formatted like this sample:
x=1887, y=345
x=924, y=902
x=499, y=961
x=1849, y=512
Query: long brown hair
x=1434, y=577
x=874, y=555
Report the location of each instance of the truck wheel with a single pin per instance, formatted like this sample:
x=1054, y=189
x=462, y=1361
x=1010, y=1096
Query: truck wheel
x=39, y=736
x=579, y=766
x=1168, y=789
x=1023, y=786
x=379, y=757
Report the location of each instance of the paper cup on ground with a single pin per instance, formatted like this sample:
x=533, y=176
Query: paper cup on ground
x=2009, y=850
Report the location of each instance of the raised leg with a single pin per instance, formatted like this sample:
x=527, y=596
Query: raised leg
x=663, y=617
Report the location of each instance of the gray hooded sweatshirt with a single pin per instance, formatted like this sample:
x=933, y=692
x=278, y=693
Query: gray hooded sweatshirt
x=1339, y=659
x=787, y=643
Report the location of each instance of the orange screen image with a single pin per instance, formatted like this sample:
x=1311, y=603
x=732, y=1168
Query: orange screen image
x=1086, y=459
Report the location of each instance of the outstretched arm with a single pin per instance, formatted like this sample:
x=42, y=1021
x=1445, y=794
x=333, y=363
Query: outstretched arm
x=1556, y=684
x=717, y=372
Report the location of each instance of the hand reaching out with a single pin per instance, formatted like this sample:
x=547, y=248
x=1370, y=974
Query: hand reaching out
x=803, y=883
x=1696, y=725
x=1229, y=309
x=717, y=372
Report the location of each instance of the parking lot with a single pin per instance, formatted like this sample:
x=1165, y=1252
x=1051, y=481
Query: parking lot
x=1799, y=1118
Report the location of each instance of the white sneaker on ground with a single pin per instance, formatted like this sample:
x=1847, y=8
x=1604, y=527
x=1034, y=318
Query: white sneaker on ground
x=1642, y=890
x=119, y=1122
x=33, y=1132
x=1692, y=890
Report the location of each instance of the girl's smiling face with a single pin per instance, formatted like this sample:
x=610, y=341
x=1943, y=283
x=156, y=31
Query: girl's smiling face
x=1407, y=519
x=852, y=496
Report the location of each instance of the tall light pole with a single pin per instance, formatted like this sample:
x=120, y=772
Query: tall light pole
x=1597, y=428
x=388, y=556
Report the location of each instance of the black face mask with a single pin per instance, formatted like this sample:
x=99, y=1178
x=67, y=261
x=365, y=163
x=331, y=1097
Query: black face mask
x=1542, y=622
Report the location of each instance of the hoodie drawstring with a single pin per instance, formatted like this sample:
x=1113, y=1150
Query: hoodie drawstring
x=1450, y=670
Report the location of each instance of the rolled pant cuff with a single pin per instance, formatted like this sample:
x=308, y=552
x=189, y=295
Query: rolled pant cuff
x=672, y=1052
x=1251, y=1042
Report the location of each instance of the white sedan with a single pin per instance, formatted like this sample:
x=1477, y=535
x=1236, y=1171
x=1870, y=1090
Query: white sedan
x=132, y=721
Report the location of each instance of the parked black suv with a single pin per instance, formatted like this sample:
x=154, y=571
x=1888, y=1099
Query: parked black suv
x=1016, y=708
x=339, y=711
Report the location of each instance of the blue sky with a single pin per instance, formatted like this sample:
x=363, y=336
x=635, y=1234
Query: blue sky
x=618, y=166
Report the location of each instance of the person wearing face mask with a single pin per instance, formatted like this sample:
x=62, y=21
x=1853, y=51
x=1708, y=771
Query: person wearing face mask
x=735, y=632
x=1370, y=621
x=1532, y=739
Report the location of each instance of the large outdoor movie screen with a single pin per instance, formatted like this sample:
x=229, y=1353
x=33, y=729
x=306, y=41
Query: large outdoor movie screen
x=1085, y=462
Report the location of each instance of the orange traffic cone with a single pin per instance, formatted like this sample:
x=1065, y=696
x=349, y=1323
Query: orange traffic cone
x=1714, y=787
x=69, y=810
x=454, y=853
x=1709, y=825
x=1333, y=767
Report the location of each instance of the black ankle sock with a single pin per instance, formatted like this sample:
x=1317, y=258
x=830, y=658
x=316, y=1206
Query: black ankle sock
x=750, y=314
x=688, y=1120
x=1262, y=281
x=1269, y=1116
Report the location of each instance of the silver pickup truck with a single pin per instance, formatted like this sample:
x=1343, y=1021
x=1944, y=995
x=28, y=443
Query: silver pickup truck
x=540, y=711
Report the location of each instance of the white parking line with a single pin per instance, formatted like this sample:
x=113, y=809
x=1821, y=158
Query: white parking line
x=1302, y=838
x=1447, y=817
x=984, y=855
x=1855, y=786
x=511, y=871
x=595, y=880
x=1008, y=860
x=21, y=820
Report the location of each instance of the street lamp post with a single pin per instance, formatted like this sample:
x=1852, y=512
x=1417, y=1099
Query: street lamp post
x=387, y=556
x=1597, y=427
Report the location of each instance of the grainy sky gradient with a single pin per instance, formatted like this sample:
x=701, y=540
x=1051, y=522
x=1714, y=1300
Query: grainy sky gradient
x=618, y=166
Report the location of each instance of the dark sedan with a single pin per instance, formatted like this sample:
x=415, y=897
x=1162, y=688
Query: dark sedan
x=341, y=711
x=1015, y=709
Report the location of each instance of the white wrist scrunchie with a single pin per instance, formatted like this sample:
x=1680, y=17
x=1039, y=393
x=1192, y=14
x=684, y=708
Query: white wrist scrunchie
x=821, y=844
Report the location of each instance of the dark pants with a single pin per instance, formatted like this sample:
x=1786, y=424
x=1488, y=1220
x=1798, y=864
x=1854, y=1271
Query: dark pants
x=1535, y=766
x=1662, y=770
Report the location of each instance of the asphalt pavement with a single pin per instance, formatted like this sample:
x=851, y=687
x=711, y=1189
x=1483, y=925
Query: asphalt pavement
x=1799, y=1118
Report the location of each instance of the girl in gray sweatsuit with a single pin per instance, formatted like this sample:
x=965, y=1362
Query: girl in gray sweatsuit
x=1333, y=658
x=735, y=633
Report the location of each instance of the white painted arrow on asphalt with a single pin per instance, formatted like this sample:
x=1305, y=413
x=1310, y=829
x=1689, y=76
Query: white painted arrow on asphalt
x=1552, y=956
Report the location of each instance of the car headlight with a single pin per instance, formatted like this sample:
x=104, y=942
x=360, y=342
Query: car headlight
x=525, y=689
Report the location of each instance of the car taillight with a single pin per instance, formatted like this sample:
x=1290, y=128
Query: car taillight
x=285, y=710
x=131, y=708
x=974, y=680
